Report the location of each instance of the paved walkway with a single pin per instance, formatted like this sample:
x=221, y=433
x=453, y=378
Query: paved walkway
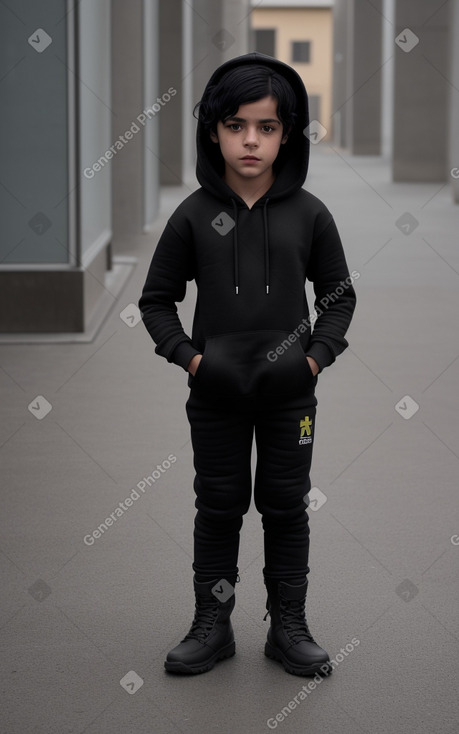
x=80, y=616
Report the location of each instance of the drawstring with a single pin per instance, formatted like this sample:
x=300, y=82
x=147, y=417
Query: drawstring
x=236, y=250
x=265, y=229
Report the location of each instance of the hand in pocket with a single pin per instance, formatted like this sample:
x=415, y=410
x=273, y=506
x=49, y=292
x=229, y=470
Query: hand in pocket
x=194, y=364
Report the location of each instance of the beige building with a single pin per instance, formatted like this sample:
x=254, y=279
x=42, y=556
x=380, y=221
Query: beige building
x=301, y=34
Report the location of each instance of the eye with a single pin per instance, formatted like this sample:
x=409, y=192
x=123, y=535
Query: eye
x=234, y=126
x=267, y=128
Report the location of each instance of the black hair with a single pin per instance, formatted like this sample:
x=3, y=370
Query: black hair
x=241, y=85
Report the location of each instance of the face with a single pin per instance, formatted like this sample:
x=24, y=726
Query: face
x=250, y=141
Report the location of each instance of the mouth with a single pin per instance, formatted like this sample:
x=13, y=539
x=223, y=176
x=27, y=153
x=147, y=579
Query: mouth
x=250, y=158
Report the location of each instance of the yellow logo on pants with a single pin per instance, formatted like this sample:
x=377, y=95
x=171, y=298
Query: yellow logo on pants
x=305, y=428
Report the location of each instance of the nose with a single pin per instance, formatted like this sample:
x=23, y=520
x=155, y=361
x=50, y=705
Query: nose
x=251, y=136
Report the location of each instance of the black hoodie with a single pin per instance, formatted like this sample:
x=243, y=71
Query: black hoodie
x=252, y=321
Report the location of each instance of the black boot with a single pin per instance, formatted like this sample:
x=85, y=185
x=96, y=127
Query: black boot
x=211, y=636
x=289, y=639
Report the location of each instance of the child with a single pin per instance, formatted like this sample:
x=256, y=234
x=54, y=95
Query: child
x=249, y=237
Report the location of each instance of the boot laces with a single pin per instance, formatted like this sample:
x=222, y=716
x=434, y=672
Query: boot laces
x=206, y=612
x=294, y=621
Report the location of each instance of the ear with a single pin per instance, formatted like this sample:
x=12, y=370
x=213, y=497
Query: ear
x=214, y=137
x=285, y=137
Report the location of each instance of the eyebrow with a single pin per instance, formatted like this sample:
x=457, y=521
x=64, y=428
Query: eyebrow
x=241, y=119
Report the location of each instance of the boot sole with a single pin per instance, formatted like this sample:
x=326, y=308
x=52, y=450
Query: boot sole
x=274, y=654
x=177, y=667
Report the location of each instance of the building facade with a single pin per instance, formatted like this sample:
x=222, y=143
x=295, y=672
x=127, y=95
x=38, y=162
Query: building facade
x=301, y=34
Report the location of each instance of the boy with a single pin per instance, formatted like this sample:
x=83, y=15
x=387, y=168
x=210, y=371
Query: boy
x=250, y=236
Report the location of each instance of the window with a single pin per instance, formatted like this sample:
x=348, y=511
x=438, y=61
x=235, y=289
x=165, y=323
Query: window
x=265, y=41
x=301, y=51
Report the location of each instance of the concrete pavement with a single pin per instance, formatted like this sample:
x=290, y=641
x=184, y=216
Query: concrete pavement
x=87, y=618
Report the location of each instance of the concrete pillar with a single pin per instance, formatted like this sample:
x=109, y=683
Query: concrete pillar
x=56, y=228
x=127, y=104
x=357, y=75
x=170, y=75
x=387, y=81
x=454, y=102
x=220, y=32
x=421, y=90
x=188, y=122
x=340, y=62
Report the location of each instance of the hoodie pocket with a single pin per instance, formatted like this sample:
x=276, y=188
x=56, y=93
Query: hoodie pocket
x=253, y=363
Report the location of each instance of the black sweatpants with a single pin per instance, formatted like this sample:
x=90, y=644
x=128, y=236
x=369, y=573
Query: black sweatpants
x=222, y=435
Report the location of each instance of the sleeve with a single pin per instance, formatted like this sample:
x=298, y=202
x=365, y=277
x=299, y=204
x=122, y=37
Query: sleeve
x=172, y=265
x=335, y=297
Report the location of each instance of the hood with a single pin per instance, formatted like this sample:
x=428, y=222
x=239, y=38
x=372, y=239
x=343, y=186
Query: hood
x=291, y=164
